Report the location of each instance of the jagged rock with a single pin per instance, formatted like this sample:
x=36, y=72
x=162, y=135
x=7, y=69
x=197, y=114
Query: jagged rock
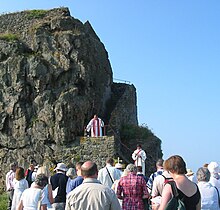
x=55, y=74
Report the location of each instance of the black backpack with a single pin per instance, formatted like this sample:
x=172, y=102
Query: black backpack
x=175, y=203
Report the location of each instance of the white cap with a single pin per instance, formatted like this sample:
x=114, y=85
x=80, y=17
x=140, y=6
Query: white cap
x=213, y=167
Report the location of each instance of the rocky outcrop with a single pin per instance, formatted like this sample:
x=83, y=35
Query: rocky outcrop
x=54, y=75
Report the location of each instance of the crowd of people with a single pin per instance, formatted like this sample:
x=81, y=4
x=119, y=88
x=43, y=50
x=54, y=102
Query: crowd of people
x=84, y=187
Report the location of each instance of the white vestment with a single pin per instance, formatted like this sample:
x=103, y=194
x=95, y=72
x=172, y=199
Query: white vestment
x=95, y=125
x=139, y=157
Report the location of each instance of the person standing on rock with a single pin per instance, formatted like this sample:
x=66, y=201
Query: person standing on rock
x=95, y=126
x=139, y=157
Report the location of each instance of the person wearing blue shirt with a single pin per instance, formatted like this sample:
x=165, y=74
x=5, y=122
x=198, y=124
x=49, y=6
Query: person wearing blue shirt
x=73, y=183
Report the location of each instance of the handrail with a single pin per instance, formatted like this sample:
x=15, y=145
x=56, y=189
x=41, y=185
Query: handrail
x=121, y=80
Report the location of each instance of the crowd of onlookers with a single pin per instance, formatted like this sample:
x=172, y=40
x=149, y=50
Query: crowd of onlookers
x=84, y=187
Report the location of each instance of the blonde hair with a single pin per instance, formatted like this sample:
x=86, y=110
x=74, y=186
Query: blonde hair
x=43, y=170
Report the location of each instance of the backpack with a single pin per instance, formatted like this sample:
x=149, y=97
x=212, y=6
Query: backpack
x=175, y=203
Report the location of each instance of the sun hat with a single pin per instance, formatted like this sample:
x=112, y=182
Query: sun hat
x=189, y=172
x=118, y=165
x=213, y=167
x=61, y=166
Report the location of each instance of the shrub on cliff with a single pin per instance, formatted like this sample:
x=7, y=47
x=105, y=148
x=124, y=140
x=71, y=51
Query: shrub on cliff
x=31, y=14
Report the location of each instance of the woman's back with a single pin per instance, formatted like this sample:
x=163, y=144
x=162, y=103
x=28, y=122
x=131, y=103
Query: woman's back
x=191, y=199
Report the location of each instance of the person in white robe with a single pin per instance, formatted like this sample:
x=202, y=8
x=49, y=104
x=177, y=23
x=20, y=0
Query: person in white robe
x=95, y=126
x=139, y=157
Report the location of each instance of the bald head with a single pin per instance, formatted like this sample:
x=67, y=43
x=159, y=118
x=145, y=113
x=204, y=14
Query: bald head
x=89, y=169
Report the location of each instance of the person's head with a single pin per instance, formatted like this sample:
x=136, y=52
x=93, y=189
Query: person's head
x=203, y=174
x=139, y=169
x=36, y=168
x=41, y=180
x=33, y=162
x=95, y=116
x=213, y=168
x=159, y=163
x=13, y=166
x=189, y=172
x=131, y=168
x=89, y=169
x=175, y=164
x=125, y=173
x=118, y=166
x=19, y=173
x=78, y=168
x=139, y=146
x=71, y=173
x=31, y=167
x=43, y=170
x=205, y=165
x=110, y=161
x=61, y=167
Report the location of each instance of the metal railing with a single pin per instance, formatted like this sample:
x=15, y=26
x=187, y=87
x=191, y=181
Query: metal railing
x=121, y=80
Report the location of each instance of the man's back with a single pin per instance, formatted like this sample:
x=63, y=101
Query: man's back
x=92, y=195
x=106, y=178
x=59, y=180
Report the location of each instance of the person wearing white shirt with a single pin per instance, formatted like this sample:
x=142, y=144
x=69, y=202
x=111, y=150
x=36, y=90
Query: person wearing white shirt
x=213, y=168
x=10, y=184
x=109, y=173
x=209, y=193
x=32, y=198
x=139, y=157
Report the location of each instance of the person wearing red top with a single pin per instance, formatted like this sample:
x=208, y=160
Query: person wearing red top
x=132, y=189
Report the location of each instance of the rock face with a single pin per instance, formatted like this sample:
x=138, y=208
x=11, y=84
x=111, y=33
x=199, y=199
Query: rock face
x=54, y=75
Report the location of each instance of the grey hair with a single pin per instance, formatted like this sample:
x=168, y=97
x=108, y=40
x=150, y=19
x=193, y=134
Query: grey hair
x=203, y=174
x=41, y=180
x=131, y=168
x=71, y=173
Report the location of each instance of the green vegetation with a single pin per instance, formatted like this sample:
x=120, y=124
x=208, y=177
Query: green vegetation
x=31, y=14
x=8, y=37
x=3, y=201
x=129, y=132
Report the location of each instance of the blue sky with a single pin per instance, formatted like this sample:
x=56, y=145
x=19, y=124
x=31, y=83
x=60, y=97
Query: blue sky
x=170, y=51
